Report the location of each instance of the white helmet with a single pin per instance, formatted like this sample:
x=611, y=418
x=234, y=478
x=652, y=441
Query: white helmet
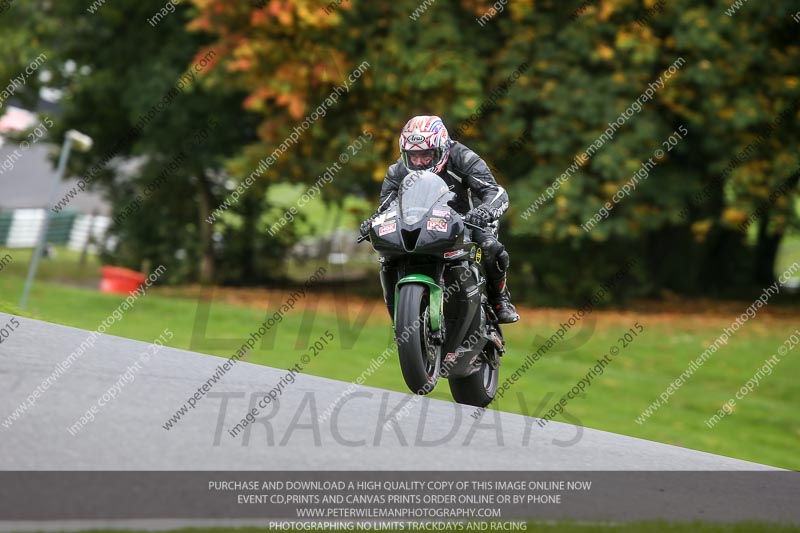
x=425, y=134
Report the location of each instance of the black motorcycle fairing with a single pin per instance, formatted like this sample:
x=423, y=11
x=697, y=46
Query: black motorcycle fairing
x=464, y=318
x=420, y=221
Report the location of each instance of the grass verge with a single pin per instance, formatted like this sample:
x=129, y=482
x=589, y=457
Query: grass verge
x=764, y=426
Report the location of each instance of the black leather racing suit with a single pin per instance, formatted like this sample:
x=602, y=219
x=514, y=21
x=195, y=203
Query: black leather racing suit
x=473, y=183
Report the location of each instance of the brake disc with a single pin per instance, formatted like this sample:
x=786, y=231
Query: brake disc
x=430, y=347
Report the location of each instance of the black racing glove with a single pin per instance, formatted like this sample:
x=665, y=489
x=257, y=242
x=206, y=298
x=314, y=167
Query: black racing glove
x=366, y=225
x=478, y=216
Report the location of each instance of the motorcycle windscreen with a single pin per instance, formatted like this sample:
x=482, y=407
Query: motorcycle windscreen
x=419, y=192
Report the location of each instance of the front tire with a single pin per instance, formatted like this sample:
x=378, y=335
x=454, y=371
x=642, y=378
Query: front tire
x=480, y=388
x=420, y=360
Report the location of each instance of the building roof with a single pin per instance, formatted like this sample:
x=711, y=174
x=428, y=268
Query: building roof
x=27, y=178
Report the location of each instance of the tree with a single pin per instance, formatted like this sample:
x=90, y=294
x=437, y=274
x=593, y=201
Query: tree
x=739, y=74
x=136, y=91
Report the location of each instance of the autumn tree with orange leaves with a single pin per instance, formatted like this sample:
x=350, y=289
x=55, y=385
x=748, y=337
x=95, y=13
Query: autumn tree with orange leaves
x=529, y=85
x=587, y=64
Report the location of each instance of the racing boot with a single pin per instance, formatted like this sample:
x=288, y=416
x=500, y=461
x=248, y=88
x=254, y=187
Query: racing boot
x=500, y=299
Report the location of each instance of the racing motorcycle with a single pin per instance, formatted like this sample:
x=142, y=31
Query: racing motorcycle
x=443, y=323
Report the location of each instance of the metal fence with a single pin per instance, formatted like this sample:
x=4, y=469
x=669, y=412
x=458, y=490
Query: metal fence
x=20, y=228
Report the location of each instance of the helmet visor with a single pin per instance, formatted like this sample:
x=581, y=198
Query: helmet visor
x=421, y=159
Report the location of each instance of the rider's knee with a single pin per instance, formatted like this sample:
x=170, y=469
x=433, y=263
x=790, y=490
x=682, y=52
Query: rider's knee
x=492, y=248
x=503, y=260
x=497, y=259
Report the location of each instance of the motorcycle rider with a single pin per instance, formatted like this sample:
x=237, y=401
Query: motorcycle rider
x=426, y=145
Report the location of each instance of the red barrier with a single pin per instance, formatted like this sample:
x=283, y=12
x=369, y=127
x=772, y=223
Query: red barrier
x=120, y=280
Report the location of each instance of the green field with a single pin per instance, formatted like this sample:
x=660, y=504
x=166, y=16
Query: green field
x=764, y=427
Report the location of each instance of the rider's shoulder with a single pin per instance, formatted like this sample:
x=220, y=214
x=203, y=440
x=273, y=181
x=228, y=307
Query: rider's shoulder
x=457, y=147
x=461, y=155
x=397, y=170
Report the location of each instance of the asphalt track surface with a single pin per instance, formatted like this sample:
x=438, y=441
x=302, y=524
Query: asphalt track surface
x=128, y=433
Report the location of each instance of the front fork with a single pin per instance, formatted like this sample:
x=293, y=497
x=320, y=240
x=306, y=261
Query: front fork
x=436, y=300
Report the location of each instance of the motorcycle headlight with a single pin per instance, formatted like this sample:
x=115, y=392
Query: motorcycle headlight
x=412, y=215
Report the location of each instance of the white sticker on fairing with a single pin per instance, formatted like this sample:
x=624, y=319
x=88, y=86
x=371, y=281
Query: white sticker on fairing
x=388, y=228
x=437, y=225
x=454, y=253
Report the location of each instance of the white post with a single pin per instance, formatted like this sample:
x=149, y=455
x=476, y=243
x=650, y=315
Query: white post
x=83, y=143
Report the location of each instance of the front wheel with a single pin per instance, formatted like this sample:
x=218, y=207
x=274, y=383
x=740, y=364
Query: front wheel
x=478, y=389
x=419, y=357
